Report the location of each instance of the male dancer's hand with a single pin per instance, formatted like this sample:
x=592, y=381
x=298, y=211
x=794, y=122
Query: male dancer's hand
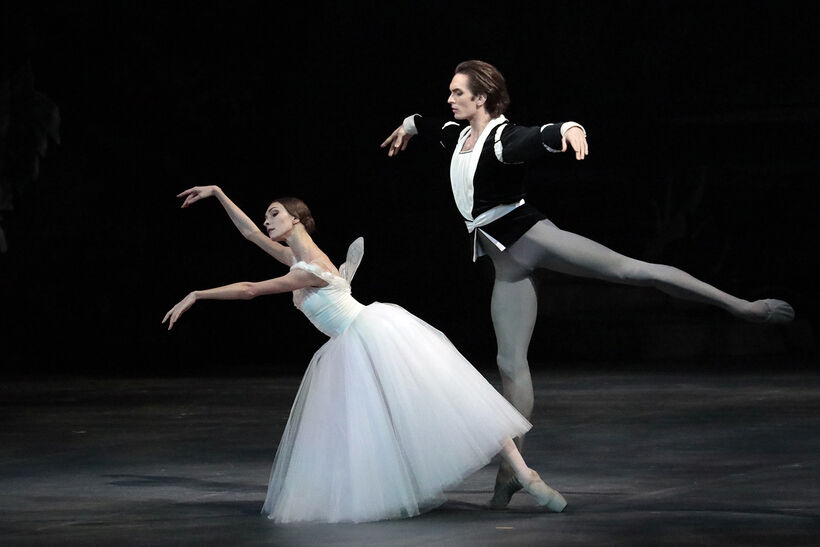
x=577, y=139
x=399, y=139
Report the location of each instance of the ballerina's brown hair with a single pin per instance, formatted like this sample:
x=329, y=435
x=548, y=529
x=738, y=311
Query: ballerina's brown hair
x=297, y=208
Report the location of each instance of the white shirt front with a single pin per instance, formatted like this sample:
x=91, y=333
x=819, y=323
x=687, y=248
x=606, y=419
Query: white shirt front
x=462, y=183
x=462, y=171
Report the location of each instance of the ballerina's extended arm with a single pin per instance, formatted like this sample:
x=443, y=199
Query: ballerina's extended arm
x=243, y=223
x=245, y=290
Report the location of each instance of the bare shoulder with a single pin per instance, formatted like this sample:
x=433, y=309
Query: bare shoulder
x=324, y=262
x=299, y=279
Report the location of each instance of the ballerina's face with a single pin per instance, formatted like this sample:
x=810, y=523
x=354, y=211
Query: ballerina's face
x=463, y=102
x=278, y=221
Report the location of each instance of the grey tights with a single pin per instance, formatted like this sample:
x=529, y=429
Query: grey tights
x=514, y=301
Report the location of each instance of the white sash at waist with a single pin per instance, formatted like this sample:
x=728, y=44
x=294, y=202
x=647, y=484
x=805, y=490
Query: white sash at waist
x=485, y=218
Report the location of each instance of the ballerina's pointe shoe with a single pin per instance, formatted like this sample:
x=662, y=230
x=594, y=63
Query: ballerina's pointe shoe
x=504, y=492
x=546, y=496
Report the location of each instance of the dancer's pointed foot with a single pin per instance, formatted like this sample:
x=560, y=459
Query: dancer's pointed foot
x=546, y=496
x=779, y=311
x=503, y=493
x=770, y=311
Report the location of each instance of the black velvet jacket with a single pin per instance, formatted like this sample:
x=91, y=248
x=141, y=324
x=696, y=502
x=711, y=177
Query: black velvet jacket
x=499, y=174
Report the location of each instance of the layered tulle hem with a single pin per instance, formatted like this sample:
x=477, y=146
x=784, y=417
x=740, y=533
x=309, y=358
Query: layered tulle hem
x=388, y=416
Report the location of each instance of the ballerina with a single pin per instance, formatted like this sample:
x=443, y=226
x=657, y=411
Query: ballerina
x=489, y=157
x=389, y=413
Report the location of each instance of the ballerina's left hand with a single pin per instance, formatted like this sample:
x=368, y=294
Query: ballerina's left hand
x=181, y=307
x=192, y=195
x=577, y=140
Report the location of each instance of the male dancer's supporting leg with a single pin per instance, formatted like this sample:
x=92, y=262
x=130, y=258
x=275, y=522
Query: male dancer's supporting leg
x=530, y=480
x=514, y=308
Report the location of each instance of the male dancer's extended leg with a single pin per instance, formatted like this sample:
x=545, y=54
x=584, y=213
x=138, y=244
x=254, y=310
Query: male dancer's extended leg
x=546, y=246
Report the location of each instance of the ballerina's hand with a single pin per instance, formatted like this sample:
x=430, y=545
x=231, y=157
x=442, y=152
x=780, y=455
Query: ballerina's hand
x=399, y=139
x=577, y=140
x=192, y=195
x=181, y=307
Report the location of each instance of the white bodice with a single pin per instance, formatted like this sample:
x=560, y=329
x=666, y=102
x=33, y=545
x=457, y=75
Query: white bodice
x=331, y=308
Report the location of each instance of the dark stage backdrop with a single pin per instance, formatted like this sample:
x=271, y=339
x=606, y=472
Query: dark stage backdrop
x=703, y=121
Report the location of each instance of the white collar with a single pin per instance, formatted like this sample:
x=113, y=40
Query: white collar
x=479, y=144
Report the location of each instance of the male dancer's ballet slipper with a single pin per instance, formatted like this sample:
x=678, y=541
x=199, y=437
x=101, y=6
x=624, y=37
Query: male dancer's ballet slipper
x=546, y=496
x=769, y=311
x=778, y=311
x=504, y=493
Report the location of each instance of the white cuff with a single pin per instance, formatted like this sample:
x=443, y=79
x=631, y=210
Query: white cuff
x=566, y=126
x=409, y=125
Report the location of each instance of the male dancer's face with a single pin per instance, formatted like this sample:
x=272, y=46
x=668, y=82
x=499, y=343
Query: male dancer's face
x=461, y=99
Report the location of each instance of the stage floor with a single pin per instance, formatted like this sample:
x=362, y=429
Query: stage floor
x=642, y=459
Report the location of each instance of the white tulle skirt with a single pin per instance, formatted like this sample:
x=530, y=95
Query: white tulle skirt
x=388, y=415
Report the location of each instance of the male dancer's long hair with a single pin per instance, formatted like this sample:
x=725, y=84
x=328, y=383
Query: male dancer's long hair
x=485, y=79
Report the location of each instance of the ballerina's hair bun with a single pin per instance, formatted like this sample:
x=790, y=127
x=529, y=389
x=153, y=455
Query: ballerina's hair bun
x=297, y=208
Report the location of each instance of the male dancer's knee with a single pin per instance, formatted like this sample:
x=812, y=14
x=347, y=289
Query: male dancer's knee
x=517, y=383
x=630, y=271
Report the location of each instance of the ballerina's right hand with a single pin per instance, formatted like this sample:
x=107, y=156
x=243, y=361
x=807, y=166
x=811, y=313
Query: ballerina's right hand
x=399, y=139
x=181, y=307
x=192, y=195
